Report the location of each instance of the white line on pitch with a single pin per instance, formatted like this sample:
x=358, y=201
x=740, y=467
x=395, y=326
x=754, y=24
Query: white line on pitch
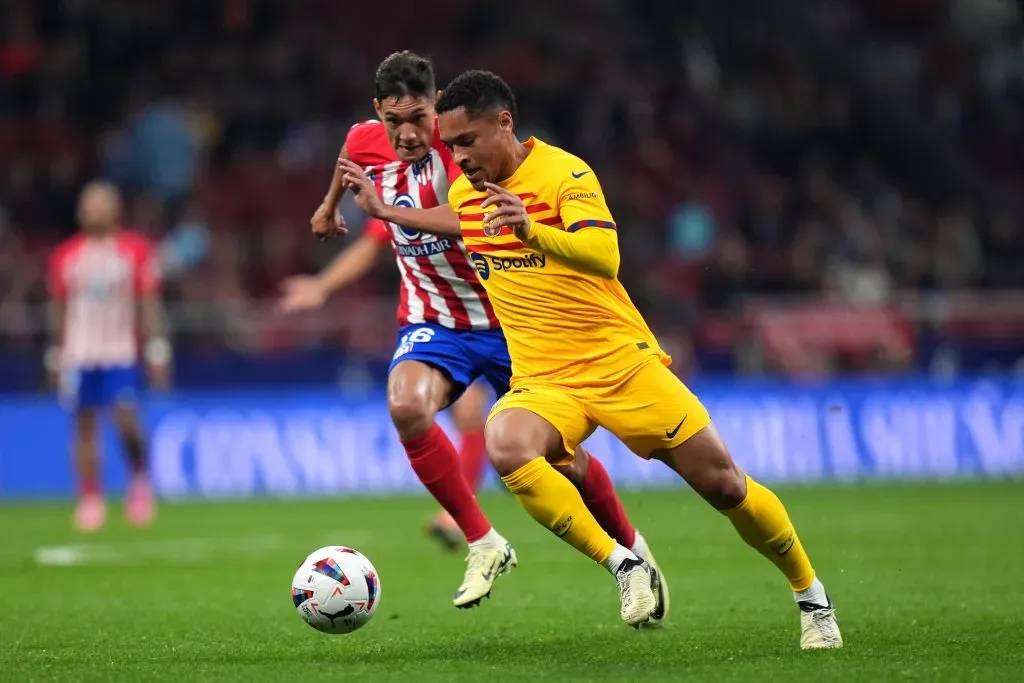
x=172, y=550
x=187, y=550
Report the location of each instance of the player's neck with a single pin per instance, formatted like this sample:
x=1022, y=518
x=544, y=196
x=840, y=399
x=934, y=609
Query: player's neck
x=98, y=236
x=519, y=154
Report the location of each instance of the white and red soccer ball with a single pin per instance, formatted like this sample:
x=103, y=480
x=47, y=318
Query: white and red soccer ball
x=336, y=590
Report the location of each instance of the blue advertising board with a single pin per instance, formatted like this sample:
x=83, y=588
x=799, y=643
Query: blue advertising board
x=322, y=442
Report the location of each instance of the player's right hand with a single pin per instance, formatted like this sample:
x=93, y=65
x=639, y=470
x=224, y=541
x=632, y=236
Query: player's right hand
x=327, y=223
x=362, y=189
x=301, y=293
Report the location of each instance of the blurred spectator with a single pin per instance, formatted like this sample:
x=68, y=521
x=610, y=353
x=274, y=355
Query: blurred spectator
x=739, y=160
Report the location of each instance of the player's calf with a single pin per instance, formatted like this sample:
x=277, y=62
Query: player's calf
x=133, y=440
x=520, y=443
x=90, y=511
x=139, y=501
x=416, y=391
x=762, y=521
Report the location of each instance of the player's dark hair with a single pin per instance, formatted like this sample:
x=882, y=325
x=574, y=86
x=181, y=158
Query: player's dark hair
x=404, y=73
x=478, y=92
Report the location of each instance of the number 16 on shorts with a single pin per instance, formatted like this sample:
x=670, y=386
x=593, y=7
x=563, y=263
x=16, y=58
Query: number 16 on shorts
x=420, y=335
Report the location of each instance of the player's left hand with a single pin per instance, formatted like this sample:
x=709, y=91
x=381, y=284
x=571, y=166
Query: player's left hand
x=362, y=188
x=510, y=211
x=159, y=376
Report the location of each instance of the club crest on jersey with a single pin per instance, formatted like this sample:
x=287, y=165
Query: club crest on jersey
x=423, y=170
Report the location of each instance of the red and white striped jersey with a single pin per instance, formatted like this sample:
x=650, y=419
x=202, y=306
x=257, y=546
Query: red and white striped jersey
x=439, y=282
x=101, y=279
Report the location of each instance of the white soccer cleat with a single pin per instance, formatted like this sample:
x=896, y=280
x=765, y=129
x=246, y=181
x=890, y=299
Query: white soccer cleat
x=484, y=565
x=660, y=613
x=637, y=586
x=819, y=629
x=90, y=513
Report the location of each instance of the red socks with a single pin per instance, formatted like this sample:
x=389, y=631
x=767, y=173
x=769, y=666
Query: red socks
x=451, y=477
x=473, y=456
x=89, y=486
x=437, y=464
x=599, y=495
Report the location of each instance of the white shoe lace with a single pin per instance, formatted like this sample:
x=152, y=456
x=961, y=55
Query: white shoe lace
x=478, y=560
x=634, y=578
x=824, y=621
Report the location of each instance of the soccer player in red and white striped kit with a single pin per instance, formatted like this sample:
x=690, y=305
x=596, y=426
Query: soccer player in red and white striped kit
x=449, y=336
x=105, y=287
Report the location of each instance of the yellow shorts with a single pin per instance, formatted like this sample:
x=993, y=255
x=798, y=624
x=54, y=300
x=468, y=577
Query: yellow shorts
x=648, y=409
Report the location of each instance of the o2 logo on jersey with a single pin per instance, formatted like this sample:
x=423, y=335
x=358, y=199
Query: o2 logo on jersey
x=406, y=201
x=483, y=268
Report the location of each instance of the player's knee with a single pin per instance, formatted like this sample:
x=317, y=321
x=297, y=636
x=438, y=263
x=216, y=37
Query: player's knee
x=509, y=449
x=86, y=423
x=412, y=414
x=725, y=488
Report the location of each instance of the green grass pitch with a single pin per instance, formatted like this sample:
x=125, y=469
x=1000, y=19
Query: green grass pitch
x=928, y=579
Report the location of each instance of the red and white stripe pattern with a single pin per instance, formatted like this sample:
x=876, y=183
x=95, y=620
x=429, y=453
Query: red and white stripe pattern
x=100, y=281
x=439, y=282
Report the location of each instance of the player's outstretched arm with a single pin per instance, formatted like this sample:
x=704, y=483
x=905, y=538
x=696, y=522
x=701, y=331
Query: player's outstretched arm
x=594, y=252
x=58, y=290
x=157, y=349
x=439, y=220
x=51, y=360
x=305, y=292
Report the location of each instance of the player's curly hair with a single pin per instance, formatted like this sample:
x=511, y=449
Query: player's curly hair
x=404, y=73
x=476, y=92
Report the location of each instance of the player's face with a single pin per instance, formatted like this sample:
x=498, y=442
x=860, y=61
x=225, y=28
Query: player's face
x=479, y=144
x=409, y=122
x=99, y=209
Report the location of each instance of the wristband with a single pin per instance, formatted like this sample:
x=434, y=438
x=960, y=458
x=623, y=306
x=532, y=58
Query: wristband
x=158, y=351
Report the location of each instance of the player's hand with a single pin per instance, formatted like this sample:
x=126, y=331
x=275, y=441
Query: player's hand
x=509, y=211
x=327, y=223
x=301, y=293
x=362, y=188
x=159, y=375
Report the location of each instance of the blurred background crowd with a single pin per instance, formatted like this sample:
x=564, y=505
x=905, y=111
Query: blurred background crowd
x=819, y=186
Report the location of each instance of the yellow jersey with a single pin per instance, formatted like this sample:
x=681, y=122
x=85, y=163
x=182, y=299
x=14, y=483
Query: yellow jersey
x=562, y=325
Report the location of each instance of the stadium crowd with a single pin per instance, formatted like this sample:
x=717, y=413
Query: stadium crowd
x=739, y=158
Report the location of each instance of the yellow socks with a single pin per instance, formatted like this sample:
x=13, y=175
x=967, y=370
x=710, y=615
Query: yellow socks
x=763, y=523
x=554, y=502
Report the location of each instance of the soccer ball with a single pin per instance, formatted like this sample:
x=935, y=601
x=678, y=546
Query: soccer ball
x=336, y=590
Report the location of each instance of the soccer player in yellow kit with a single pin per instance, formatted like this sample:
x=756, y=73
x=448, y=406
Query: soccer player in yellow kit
x=545, y=247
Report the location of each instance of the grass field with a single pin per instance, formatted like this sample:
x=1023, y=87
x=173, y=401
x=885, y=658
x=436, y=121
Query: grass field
x=929, y=582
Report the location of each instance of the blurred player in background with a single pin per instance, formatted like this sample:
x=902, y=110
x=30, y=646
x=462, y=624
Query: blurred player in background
x=306, y=292
x=545, y=244
x=449, y=335
x=105, y=285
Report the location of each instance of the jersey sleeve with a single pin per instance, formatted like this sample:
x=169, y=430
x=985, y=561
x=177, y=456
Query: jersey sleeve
x=377, y=230
x=581, y=202
x=357, y=141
